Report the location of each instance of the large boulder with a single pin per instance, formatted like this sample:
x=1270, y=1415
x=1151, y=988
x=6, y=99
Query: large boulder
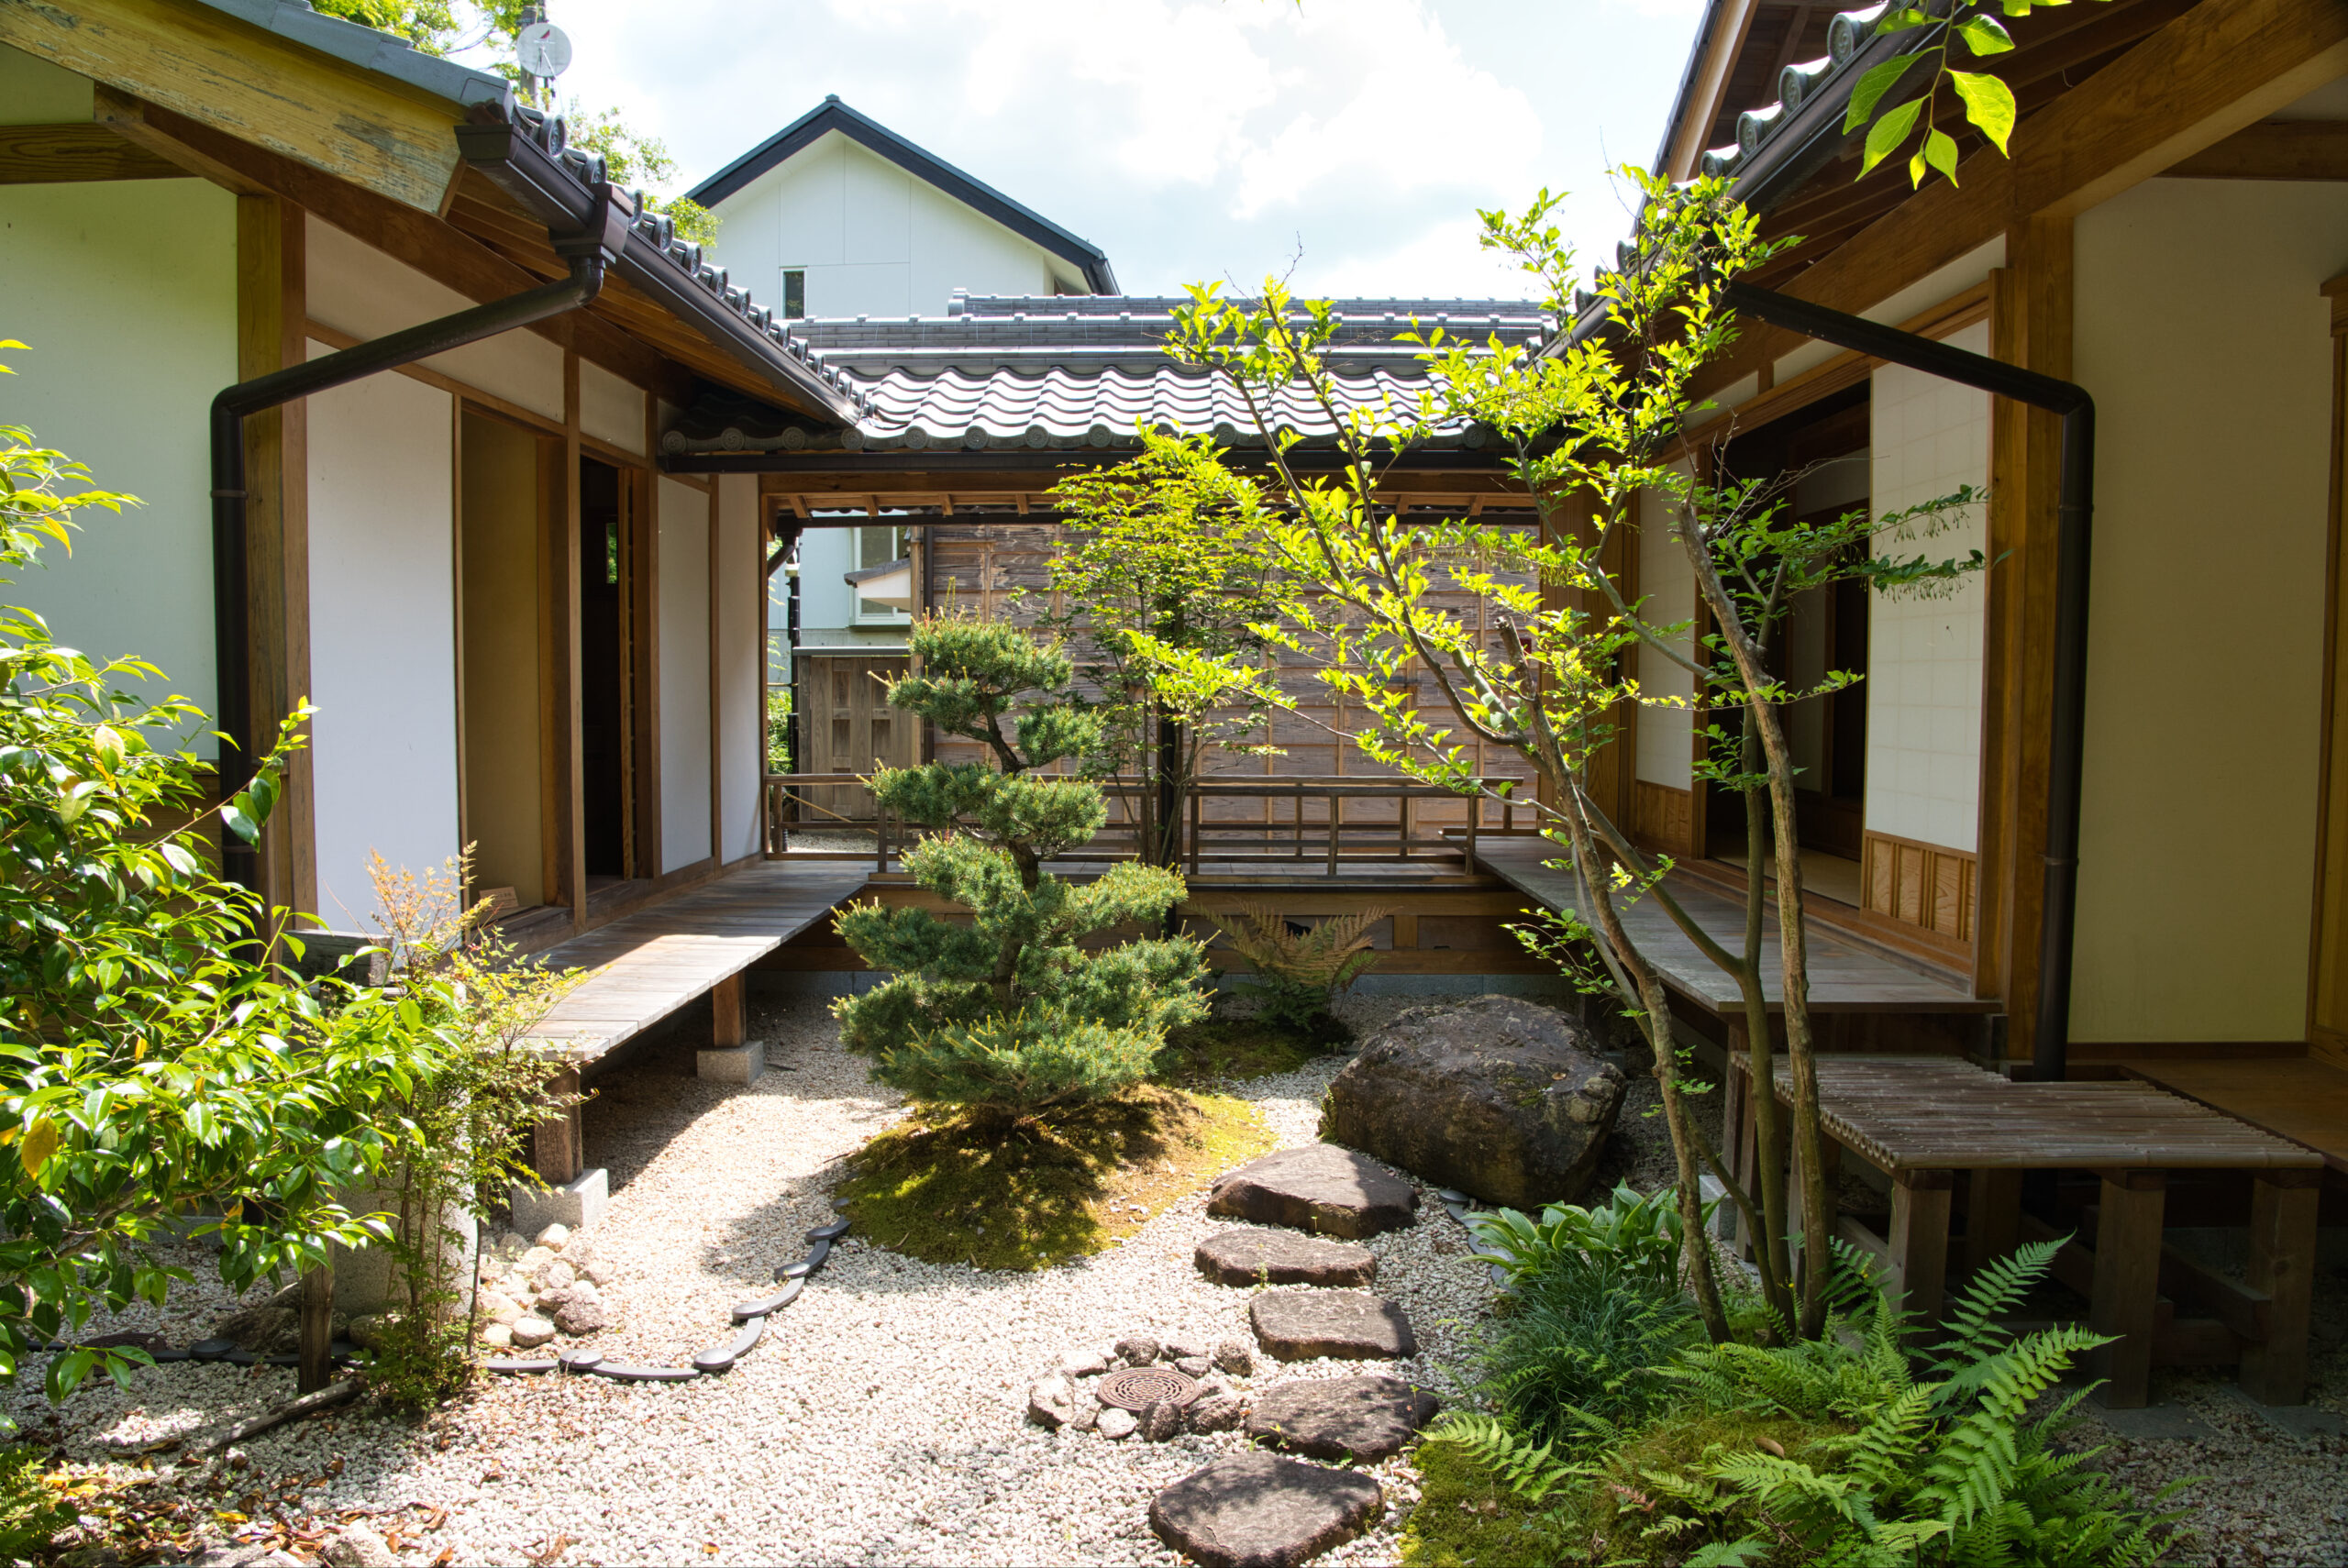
x=1502, y=1098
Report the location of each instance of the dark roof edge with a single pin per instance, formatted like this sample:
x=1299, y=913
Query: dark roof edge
x=515, y=154
x=831, y=114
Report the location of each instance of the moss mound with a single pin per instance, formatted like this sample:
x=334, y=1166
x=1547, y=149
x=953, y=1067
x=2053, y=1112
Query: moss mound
x=1467, y=1519
x=1029, y=1193
x=1223, y=1050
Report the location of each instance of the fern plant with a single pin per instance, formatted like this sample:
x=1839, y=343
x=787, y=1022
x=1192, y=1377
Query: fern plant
x=1299, y=972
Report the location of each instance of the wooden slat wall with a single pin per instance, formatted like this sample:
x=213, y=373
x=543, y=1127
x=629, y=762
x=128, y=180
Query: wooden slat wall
x=978, y=567
x=1927, y=886
x=1660, y=818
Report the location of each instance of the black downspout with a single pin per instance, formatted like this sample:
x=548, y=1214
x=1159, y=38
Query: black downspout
x=2075, y=507
x=588, y=255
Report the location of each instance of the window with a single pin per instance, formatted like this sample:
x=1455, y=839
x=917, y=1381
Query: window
x=794, y=293
x=878, y=543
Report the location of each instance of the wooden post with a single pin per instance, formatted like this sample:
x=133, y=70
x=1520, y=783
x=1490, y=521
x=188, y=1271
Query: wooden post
x=1992, y=1218
x=317, y=1322
x=1920, y=1240
x=2282, y=1263
x=2127, y=1284
x=558, y=1149
x=726, y=1022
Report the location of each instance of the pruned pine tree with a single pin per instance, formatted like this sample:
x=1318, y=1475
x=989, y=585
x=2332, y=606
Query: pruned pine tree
x=1009, y=1013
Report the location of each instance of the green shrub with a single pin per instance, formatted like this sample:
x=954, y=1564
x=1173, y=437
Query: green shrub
x=1010, y=1015
x=30, y=1509
x=1298, y=975
x=1627, y=1234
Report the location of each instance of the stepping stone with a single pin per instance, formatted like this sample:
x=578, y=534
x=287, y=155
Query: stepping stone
x=1341, y=1418
x=1350, y=1325
x=721, y=1356
x=1320, y=1188
x=1257, y=1511
x=1249, y=1254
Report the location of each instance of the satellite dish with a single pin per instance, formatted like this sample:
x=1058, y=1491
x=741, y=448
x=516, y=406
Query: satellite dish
x=542, y=50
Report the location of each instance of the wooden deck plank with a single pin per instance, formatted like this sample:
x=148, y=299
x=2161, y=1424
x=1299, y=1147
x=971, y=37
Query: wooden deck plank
x=647, y=965
x=2300, y=1099
x=1844, y=976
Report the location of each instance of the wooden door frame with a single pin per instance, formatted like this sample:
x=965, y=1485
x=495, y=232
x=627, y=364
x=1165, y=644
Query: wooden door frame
x=2330, y=911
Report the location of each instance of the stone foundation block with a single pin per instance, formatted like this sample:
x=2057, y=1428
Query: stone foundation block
x=575, y=1203
x=732, y=1065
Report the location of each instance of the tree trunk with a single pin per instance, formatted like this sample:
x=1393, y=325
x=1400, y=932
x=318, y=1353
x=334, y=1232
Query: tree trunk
x=316, y=1327
x=1761, y=1049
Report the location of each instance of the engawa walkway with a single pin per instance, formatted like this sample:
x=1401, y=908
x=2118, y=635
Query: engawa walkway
x=647, y=965
x=1845, y=976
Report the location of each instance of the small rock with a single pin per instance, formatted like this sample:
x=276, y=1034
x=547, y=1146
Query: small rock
x=583, y=1291
x=1082, y=1363
x=530, y=1265
x=1087, y=1413
x=1176, y=1350
x=1256, y=1511
x=498, y=1336
x=1193, y=1366
x=513, y=1243
x=265, y=1331
x=1298, y=1325
x=554, y=1237
x=1216, y=1408
x=558, y=1275
x=1139, y=1350
x=596, y=1272
x=529, y=1333
x=577, y=1317
x=1160, y=1420
x=1051, y=1402
x=359, y=1547
x=496, y=1307
x=1117, y=1424
x=366, y=1329
x=1236, y=1357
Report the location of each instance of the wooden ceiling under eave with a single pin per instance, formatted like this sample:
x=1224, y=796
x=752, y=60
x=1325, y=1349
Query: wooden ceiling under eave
x=481, y=210
x=2055, y=50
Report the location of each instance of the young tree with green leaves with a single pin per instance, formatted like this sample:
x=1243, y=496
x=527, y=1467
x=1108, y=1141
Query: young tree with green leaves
x=152, y=1067
x=1988, y=101
x=1160, y=552
x=1594, y=434
x=1010, y=1015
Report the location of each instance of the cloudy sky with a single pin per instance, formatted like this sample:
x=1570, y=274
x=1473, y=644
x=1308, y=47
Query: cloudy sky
x=1192, y=139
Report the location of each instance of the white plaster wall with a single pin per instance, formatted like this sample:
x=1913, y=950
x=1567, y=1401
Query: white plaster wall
x=874, y=239
x=366, y=294
x=1973, y=267
x=1667, y=736
x=739, y=579
x=2200, y=331
x=34, y=92
x=382, y=636
x=609, y=408
x=126, y=293
x=684, y=675
x=1923, y=685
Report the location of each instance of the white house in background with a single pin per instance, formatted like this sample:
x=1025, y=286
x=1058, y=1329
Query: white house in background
x=837, y=217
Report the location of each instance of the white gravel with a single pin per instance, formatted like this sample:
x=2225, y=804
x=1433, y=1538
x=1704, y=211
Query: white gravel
x=883, y=1421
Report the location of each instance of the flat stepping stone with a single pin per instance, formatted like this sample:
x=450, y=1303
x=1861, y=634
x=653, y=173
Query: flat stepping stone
x=1349, y=1325
x=1319, y=1188
x=1251, y=1254
x=1257, y=1511
x=1341, y=1418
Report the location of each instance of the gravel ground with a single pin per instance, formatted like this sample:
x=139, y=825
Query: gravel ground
x=882, y=1420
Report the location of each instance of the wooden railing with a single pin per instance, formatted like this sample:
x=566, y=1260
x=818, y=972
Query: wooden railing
x=1325, y=822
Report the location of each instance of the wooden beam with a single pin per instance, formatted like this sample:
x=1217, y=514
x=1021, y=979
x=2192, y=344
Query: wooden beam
x=44, y=155
x=270, y=318
x=421, y=240
x=2126, y=1299
x=716, y=591
x=2274, y=149
x=2223, y=65
x=355, y=124
x=2282, y=1263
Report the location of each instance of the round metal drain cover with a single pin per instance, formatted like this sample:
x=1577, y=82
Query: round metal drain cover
x=1141, y=1385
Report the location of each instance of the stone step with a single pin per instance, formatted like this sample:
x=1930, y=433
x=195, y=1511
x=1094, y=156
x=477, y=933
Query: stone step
x=1257, y=1511
x=1258, y=1254
x=1319, y=1188
x=1367, y=1419
x=1350, y=1325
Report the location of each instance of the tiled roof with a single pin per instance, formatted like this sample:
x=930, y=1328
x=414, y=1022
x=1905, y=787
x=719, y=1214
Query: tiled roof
x=1059, y=371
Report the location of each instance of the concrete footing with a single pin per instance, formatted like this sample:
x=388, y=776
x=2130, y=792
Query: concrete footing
x=574, y=1204
x=732, y=1065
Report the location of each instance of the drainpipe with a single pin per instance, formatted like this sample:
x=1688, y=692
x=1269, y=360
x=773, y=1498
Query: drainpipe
x=588, y=253
x=2075, y=505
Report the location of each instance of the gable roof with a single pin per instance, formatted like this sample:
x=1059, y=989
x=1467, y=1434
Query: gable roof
x=831, y=114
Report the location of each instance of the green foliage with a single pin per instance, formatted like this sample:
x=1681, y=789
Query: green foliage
x=151, y=1064
x=1469, y=1516
x=1629, y=1236
x=1298, y=975
x=30, y=1511
x=470, y=1118
x=1219, y=1049
x=1157, y=567
x=1009, y=1013
x=1988, y=101
x=779, y=729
